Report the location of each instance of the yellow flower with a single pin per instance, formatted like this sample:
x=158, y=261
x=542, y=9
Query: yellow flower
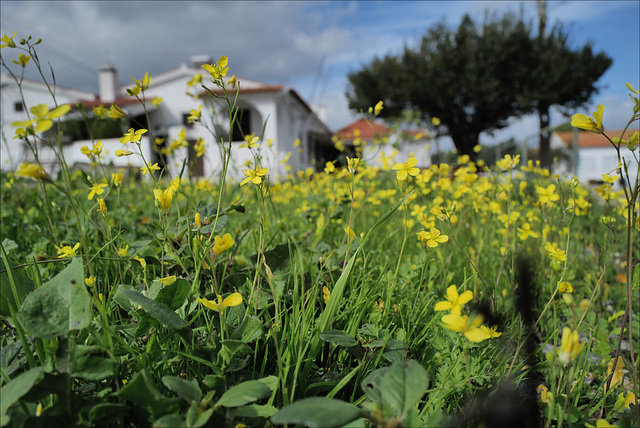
x=197, y=220
x=251, y=141
x=195, y=115
x=223, y=243
x=32, y=170
x=233, y=300
x=435, y=121
x=199, y=147
x=195, y=80
x=470, y=329
x=100, y=111
x=555, y=252
x=525, y=231
x=145, y=170
x=116, y=177
x=432, y=238
x=90, y=281
x=218, y=70
x=490, y=331
x=164, y=198
x=96, y=189
x=329, y=167
x=120, y=153
x=116, y=112
x=352, y=164
x=143, y=84
x=67, y=251
x=156, y=101
x=254, y=175
x=39, y=409
x=377, y=109
x=547, y=195
x=570, y=345
x=544, y=394
x=142, y=261
x=232, y=81
x=9, y=43
x=132, y=136
x=406, y=168
x=565, y=287
x=123, y=252
x=326, y=294
x=43, y=117
x=103, y=207
x=594, y=124
x=601, y=423
x=508, y=162
x=454, y=301
x=350, y=233
x=168, y=280
x=22, y=61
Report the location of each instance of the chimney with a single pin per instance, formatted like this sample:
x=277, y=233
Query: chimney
x=108, y=83
x=200, y=60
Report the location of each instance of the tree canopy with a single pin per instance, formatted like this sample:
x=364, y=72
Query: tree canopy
x=475, y=78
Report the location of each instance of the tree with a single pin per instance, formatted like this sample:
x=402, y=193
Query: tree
x=476, y=79
x=562, y=77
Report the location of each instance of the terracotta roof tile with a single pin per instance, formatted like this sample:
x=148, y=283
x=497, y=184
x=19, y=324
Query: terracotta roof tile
x=364, y=127
x=591, y=139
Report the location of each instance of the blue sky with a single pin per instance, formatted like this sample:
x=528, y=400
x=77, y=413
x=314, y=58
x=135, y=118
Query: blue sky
x=310, y=46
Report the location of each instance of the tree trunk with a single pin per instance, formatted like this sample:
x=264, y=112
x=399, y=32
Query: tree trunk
x=465, y=142
x=545, y=138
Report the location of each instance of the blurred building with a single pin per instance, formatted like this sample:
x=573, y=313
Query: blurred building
x=278, y=115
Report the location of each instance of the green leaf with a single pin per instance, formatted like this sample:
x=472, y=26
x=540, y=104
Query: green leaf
x=142, y=392
x=244, y=393
x=249, y=330
x=91, y=362
x=157, y=310
x=60, y=305
x=601, y=346
x=255, y=411
x=105, y=413
x=317, y=412
x=338, y=337
x=395, y=350
x=15, y=389
x=185, y=389
x=174, y=295
x=170, y=421
x=196, y=418
x=22, y=281
x=404, y=384
x=276, y=257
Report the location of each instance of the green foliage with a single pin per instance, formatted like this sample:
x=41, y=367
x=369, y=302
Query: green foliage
x=60, y=305
x=476, y=77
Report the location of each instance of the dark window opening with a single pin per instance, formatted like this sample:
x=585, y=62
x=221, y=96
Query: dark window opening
x=18, y=106
x=185, y=121
x=242, y=125
x=196, y=164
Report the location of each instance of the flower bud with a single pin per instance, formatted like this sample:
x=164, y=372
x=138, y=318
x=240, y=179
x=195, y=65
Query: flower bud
x=23, y=41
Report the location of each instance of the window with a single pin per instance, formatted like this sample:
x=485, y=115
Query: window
x=18, y=106
x=185, y=120
x=242, y=125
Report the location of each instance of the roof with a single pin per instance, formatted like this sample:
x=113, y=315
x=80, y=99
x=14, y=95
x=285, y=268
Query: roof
x=122, y=101
x=362, y=128
x=588, y=139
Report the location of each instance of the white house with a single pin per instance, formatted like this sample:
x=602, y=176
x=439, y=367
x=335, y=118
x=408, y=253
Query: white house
x=13, y=151
x=274, y=113
x=596, y=155
x=390, y=146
